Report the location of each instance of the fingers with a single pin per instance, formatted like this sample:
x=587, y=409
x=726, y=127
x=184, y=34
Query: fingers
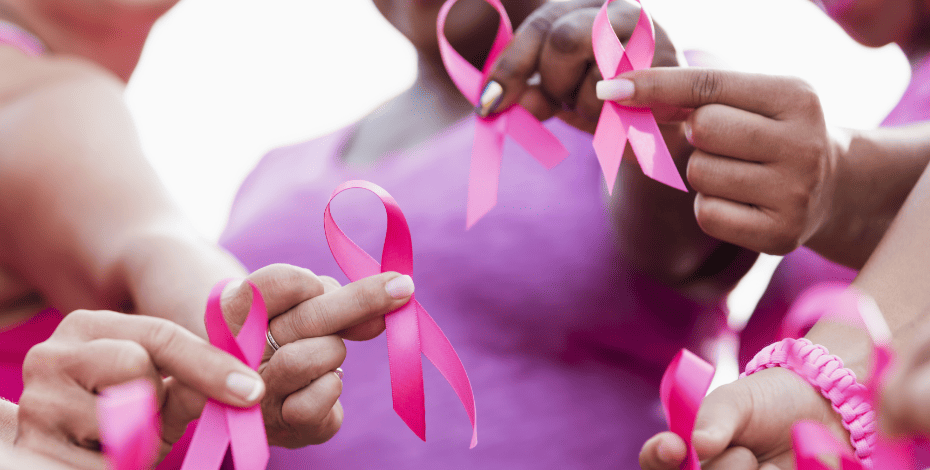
x=734, y=458
x=725, y=130
x=342, y=308
x=173, y=351
x=664, y=451
x=297, y=364
x=282, y=286
x=316, y=408
x=689, y=88
x=518, y=61
x=125, y=361
x=743, y=225
x=728, y=178
x=568, y=55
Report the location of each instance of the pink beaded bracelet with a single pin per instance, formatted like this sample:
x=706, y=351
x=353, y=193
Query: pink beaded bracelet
x=825, y=372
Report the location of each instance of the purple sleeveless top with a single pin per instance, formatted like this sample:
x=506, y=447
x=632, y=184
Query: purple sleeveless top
x=564, y=343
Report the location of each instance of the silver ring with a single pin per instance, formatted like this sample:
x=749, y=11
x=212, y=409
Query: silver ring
x=340, y=373
x=271, y=341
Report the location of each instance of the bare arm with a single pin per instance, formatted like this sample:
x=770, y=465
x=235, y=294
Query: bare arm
x=85, y=218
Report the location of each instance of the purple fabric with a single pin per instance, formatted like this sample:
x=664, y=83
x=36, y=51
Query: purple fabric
x=564, y=344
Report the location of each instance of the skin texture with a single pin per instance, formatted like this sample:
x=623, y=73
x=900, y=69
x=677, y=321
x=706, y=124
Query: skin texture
x=88, y=225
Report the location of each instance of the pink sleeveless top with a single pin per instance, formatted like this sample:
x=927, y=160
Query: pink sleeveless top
x=15, y=340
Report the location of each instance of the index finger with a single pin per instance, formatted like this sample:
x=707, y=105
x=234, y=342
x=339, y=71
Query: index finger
x=691, y=87
x=174, y=351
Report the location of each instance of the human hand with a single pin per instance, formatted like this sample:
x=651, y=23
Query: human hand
x=555, y=41
x=763, y=165
x=91, y=350
x=309, y=316
x=747, y=425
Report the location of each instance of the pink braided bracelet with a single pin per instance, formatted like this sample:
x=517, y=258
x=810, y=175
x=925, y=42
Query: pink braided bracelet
x=825, y=372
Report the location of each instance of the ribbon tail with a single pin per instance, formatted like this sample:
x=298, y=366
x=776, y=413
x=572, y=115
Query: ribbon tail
x=609, y=143
x=811, y=440
x=485, y=171
x=210, y=441
x=439, y=351
x=682, y=390
x=403, y=341
x=651, y=151
x=247, y=436
x=129, y=425
x=534, y=137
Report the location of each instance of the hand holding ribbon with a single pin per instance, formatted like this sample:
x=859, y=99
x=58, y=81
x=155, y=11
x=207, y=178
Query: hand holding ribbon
x=128, y=420
x=223, y=426
x=518, y=123
x=683, y=387
x=618, y=124
x=410, y=329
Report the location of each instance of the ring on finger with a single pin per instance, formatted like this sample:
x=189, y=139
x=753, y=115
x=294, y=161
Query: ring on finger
x=271, y=342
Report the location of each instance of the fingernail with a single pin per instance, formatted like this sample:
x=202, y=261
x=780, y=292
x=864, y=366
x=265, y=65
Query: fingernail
x=400, y=287
x=618, y=89
x=231, y=288
x=244, y=386
x=339, y=373
x=490, y=98
x=688, y=133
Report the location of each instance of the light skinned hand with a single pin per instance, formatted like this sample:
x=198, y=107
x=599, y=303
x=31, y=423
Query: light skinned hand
x=555, y=42
x=92, y=350
x=764, y=165
x=747, y=425
x=309, y=316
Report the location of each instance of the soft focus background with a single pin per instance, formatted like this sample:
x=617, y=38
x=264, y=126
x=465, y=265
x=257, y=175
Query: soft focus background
x=223, y=81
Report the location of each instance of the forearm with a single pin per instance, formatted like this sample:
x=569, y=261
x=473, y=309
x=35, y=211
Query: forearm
x=659, y=234
x=8, y=422
x=875, y=174
x=896, y=275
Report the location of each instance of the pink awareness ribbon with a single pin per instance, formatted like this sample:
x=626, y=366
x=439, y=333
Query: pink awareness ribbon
x=619, y=124
x=517, y=122
x=128, y=418
x=811, y=439
x=682, y=390
x=222, y=426
x=410, y=330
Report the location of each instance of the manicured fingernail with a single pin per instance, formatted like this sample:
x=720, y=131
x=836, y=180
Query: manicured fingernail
x=490, y=98
x=244, y=386
x=688, y=133
x=400, y=287
x=339, y=373
x=618, y=89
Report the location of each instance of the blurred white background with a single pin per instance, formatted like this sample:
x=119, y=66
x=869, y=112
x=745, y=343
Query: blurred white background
x=221, y=82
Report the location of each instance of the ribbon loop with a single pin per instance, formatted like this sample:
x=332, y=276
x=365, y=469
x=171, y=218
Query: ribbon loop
x=410, y=329
x=682, y=390
x=222, y=426
x=526, y=130
x=618, y=124
x=128, y=418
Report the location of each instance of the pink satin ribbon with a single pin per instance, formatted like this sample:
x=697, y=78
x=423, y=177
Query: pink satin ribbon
x=410, y=330
x=128, y=418
x=811, y=440
x=683, y=388
x=222, y=426
x=517, y=122
x=619, y=124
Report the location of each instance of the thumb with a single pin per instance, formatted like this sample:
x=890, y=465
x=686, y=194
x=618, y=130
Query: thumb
x=723, y=415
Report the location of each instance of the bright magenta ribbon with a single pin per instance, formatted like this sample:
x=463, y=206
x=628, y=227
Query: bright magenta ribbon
x=682, y=390
x=517, y=122
x=619, y=124
x=410, y=330
x=128, y=418
x=222, y=426
x=811, y=439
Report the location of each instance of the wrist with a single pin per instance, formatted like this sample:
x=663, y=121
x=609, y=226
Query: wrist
x=836, y=228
